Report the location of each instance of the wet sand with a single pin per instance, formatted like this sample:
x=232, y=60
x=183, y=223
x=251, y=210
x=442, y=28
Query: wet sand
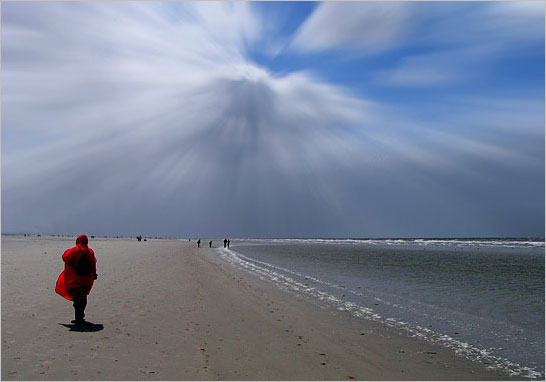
x=171, y=311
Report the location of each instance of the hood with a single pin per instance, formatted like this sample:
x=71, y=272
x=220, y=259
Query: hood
x=82, y=240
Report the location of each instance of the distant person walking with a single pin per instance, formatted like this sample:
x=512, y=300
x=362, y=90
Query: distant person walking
x=225, y=243
x=198, y=243
x=228, y=243
x=76, y=281
x=210, y=244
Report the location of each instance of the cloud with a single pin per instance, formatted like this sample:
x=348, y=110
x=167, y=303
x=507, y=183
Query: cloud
x=154, y=115
x=370, y=26
x=504, y=23
x=442, y=43
x=150, y=118
x=433, y=69
x=439, y=68
x=461, y=47
x=487, y=24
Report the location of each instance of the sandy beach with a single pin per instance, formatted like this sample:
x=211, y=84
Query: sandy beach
x=171, y=311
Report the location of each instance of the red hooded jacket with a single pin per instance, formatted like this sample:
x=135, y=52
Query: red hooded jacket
x=70, y=283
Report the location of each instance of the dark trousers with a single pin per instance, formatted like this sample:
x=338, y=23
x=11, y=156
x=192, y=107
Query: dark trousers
x=80, y=302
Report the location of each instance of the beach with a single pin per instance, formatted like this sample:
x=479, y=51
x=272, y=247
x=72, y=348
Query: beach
x=171, y=311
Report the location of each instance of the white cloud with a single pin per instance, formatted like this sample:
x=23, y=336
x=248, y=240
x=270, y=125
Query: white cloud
x=148, y=118
x=446, y=67
x=369, y=26
x=135, y=106
x=413, y=72
x=497, y=24
x=515, y=20
x=468, y=35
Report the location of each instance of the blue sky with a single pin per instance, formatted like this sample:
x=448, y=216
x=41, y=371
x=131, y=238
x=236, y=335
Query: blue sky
x=273, y=119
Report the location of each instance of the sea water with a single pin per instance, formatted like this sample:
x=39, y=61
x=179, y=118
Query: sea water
x=482, y=298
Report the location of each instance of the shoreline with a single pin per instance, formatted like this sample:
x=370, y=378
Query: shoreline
x=174, y=312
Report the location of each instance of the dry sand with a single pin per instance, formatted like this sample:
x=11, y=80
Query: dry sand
x=171, y=311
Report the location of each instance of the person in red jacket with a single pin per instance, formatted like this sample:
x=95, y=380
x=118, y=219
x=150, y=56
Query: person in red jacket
x=76, y=281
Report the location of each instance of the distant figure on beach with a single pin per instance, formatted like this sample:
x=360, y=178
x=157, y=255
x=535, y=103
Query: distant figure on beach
x=225, y=243
x=198, y=242
x=228, y=243
x=76, y=281
x=210, y=244
x=139, y=237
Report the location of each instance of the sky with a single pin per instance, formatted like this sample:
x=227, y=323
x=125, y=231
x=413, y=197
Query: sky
x=273, y=119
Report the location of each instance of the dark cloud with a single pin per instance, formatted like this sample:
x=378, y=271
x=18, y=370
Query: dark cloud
x=147, y=118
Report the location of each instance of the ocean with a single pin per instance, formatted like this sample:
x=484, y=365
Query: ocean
x=483, y=298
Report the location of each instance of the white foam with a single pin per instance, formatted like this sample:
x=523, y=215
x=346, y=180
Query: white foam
x=281, y=277
x=418, y=242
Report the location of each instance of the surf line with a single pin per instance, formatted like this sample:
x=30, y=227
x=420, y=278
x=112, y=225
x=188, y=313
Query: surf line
x=272, y=273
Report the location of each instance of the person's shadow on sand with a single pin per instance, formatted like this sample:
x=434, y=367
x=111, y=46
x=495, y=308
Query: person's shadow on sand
x=88, y=327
